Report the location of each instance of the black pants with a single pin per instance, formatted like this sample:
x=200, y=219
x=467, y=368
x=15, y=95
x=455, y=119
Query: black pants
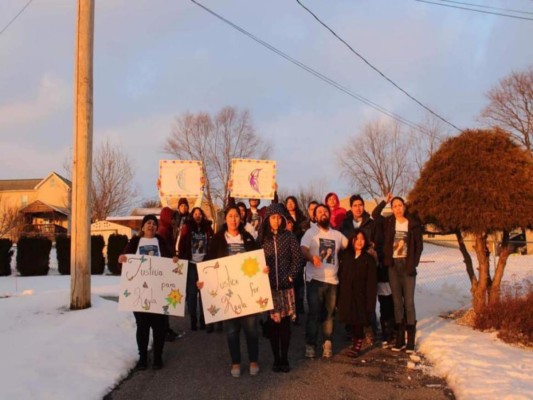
x=192, y=291
x=280, y=338
x=157, y=322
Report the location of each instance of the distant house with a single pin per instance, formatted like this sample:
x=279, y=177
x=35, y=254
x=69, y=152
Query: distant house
x=43, y=204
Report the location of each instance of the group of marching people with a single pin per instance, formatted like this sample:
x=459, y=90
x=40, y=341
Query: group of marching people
x=339, y=260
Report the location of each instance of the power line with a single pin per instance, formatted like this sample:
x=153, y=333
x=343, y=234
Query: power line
x=375, y=68
x=317, y=74
x=472, y=9
x=15, y=17
x=489, y=7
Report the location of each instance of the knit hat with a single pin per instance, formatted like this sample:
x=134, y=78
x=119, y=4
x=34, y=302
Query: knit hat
x=183, y=200
x=148, y=218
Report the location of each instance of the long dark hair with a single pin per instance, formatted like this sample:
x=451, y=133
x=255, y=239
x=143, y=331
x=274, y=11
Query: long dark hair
x=300, y=216
x=367, y=242
x=193, y=223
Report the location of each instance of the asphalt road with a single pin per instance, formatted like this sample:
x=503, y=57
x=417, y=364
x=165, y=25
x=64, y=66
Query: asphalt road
x=197, y=367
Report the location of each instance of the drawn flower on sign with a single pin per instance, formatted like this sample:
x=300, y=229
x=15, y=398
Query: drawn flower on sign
x=213, y=309
x=262, y=303
x=250, y=267
x=174, y=297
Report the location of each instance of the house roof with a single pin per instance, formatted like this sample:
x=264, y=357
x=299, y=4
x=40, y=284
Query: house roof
x=28, y=184
x=18, y=184
x=39, y=206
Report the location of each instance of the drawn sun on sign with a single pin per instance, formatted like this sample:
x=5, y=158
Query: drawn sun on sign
x=250, y=267
x=174, y=297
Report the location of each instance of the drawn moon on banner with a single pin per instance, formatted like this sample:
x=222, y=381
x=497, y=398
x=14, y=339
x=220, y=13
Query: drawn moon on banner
x=254, y=179
x=180, y=180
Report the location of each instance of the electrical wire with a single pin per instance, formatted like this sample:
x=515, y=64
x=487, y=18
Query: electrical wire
x=489, y=7
x=317, y=74
x=479, y=11
x=375, y=68
x=15, y=17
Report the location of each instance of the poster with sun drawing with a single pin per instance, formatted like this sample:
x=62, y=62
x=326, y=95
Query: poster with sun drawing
x=253, y=179
x=234, y=286
x=153, y=284
x=179, y=178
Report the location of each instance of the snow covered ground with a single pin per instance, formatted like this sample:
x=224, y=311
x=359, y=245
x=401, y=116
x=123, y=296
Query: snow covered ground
x=49, y=351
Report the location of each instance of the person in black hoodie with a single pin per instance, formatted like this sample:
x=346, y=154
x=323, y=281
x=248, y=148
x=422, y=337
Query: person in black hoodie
x=149, y=243
x=284, y=259
x=402, y=248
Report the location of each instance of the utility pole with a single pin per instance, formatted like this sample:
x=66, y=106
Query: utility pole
x=80, y=264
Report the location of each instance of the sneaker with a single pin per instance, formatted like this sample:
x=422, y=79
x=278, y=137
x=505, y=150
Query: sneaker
x=310, y=351
x=235, y=371
x=327, y=351
x=254, y=369
x=355, y=350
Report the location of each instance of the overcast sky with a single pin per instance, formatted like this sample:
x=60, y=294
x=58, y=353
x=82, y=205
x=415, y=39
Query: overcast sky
x=157, y=59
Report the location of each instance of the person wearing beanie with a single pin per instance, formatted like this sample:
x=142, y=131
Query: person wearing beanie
x=148, y=242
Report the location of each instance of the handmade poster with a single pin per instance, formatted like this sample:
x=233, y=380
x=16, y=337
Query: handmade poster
x=153, y=284
x=180, y=178
x=253, y=179
x=234, y=286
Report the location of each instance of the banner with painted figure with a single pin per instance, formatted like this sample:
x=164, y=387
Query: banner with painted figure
x=234, y=286
x=253, y=179
x=153, y=284
x=179, y=178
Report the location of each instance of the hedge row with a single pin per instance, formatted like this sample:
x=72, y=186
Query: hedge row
x=33, y=255
x=97, y=255
x=5, y=257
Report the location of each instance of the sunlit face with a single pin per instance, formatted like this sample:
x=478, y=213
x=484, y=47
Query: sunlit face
x=398, y=208
x=331, y=202
x=357, y=209
x=359, y=242
x=197, y=216
x=183, y=209
x=233, y=219
x=149, y=229
x=322, y=214
x=275, y=222
x=290, y=204
x=254, y=203
x=311, y=210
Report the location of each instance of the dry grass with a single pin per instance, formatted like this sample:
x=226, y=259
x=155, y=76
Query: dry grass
x=511, y=316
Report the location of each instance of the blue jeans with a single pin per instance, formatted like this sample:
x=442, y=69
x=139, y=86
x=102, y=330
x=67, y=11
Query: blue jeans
x=403, y=292
x=321, y=298
x=249, y=325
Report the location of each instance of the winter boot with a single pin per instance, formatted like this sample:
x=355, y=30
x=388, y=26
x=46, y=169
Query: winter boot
x=142, y=364
x=355, y=350
x=400, y=337
x=411, y=335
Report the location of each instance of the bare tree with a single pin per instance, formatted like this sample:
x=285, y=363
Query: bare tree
x=10, y=217
x=151, y=203
x=216, y=141
x=511, y=106
x=377, y=161
x=112, y=187
x=426, y=143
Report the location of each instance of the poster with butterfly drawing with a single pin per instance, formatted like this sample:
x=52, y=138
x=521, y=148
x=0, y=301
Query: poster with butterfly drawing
x=253, y=179
x=180, y=178
x=234, y=286
x=153, y=284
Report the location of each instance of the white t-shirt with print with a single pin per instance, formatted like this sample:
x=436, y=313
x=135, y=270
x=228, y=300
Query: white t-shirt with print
x=399, y=247
x=149, y=247
x=326, y=245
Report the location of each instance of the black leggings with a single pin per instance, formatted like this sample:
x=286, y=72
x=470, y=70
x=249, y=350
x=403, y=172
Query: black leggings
x=280, y=337
x=157, y=322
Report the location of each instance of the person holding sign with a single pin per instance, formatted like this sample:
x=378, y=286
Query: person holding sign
x=283, y=257
x=232, y=239
x=149, y=243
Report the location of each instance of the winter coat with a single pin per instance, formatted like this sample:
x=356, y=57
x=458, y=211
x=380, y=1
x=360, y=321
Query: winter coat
x=219, y=247
x=185, y=239
x=367, y=226
x=133, y=244
x=283, y=255
x=337, y=213
x=165, y=229
x=357, y=288
x=414, y=239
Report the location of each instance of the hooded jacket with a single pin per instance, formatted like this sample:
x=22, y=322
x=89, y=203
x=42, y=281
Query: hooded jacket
x=283, y=255
x=165, y=229
x=185, y=239
x=337, y=213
